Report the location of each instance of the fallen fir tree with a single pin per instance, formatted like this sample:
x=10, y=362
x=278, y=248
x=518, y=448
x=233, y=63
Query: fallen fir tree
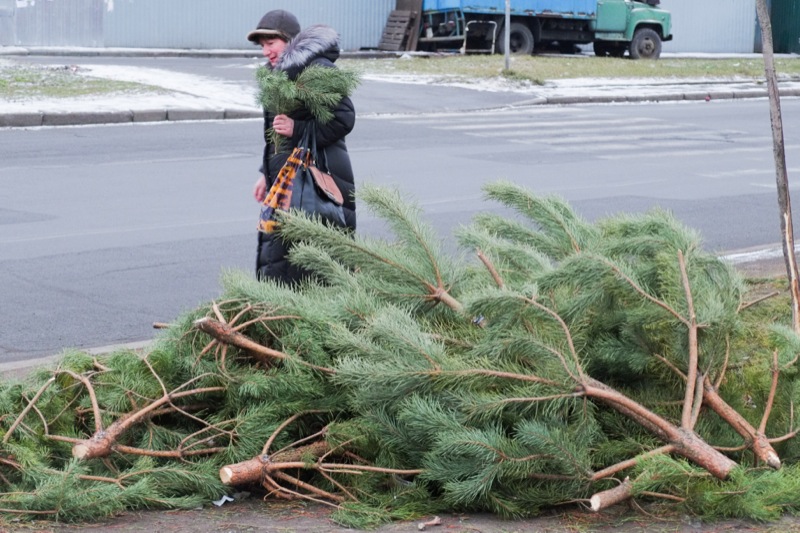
x=556, y=362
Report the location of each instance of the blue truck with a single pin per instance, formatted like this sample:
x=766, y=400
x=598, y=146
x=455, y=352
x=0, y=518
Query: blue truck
x=614, y=27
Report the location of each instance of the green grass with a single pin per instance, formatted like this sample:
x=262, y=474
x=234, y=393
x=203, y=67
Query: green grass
x=539, y=69
x=32, y=82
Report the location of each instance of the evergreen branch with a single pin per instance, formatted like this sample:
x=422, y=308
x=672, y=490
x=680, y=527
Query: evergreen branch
x=488, y=373
x=265, y=319
x=102, y=442
x=624, y=465
x=784, y=438
x=434, y=291
x=207, y=427
x=640, y=290
x=30, y=512
x=755, y=439
x=317, y=89
x=310, y=488
x=607, y=498
x=762, y=428
x=550, y=213
x=505, y=401
x=166, y=454
x=492, y=270
x=697, y=401
x=663, y=496
x=283, y=426
x=27, y=409
x=400, y=217
x=694, y=356
x=226, y=334
x=725, y=362
x=745, y=305
x=338, y=485
x=687, y=442
x=98, y=422
x=568, y=335
x=669, y=365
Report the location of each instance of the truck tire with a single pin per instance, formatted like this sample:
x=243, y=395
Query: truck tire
x=646, y=44
x=520, y=40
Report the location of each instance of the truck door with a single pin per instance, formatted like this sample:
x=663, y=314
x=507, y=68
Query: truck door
x=612, y=16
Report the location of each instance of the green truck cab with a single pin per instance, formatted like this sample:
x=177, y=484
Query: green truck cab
x=614, y=27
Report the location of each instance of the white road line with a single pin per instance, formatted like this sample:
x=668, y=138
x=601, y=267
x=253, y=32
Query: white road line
x=700, y=152
x=590, y=134
x=596, y=124
x=743, y=172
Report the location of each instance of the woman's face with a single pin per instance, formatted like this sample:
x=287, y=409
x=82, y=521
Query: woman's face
x=272, y=47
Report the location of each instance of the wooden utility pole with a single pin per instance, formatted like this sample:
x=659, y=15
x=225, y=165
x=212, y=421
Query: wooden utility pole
x=779, y=151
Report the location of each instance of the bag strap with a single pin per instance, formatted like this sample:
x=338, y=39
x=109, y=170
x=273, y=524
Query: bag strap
x=309, y=140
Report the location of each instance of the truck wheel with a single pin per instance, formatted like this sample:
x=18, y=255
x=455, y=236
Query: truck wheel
x=646, y=44
x=520, y=40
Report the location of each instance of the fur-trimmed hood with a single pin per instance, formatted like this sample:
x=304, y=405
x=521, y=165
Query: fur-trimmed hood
x=313, y=42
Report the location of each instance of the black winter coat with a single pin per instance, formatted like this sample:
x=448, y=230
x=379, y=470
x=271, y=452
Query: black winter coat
x=316, y=45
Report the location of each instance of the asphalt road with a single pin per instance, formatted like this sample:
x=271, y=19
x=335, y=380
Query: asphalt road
x=107, y=229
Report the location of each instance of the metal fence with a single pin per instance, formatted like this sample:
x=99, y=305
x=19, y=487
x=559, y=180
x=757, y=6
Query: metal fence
x=187, y=24
x=698, y=26
x=711, y=25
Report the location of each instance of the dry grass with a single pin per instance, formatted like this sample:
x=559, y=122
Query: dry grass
x=539, y=69
x=31, y=82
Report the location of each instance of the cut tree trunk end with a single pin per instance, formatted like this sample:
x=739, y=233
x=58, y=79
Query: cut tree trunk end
x=607, y=498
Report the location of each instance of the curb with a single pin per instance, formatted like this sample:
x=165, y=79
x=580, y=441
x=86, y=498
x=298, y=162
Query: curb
x=253, y=52
x=81, y=118
x=20, y=369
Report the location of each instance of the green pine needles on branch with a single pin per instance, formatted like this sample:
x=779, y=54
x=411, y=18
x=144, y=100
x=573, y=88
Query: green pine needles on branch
x=317, y=89
x=556, y=362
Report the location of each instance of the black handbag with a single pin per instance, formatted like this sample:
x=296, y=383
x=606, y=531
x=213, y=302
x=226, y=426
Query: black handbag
x=314, y=190
x=308, y=188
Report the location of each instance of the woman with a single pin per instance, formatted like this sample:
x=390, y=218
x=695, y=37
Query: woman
x=290, y=50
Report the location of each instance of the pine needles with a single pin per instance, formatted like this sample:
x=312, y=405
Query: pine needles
x=556, y=362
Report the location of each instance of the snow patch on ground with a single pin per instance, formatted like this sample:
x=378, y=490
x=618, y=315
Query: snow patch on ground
x=226, y=93
x=171, y=90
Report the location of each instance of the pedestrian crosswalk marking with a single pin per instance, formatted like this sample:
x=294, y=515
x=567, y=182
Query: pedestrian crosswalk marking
x=608, y=136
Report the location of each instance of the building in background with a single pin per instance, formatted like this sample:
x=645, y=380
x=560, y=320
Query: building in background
x=785, y=15
x=184, y=24
x=714, y=26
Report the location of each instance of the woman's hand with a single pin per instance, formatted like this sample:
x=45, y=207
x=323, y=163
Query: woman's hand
x=260, y=189
x=283, y=125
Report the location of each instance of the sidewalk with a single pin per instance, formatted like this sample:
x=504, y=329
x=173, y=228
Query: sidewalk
x=185, y=97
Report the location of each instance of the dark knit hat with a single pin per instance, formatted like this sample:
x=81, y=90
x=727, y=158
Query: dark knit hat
x=276, y=23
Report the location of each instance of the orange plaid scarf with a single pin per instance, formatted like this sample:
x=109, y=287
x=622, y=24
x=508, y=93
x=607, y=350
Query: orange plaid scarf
x=279, y=196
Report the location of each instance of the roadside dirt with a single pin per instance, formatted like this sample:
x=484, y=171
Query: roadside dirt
x=254, y=515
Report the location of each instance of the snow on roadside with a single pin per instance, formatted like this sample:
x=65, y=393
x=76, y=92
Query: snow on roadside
x=173, y=90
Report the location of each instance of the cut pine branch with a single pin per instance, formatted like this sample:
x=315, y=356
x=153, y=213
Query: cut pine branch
x=686, y=442
x=607, y=498
x=255, y=469
x=226, y=334
x=755, y=439
x=102, y=443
